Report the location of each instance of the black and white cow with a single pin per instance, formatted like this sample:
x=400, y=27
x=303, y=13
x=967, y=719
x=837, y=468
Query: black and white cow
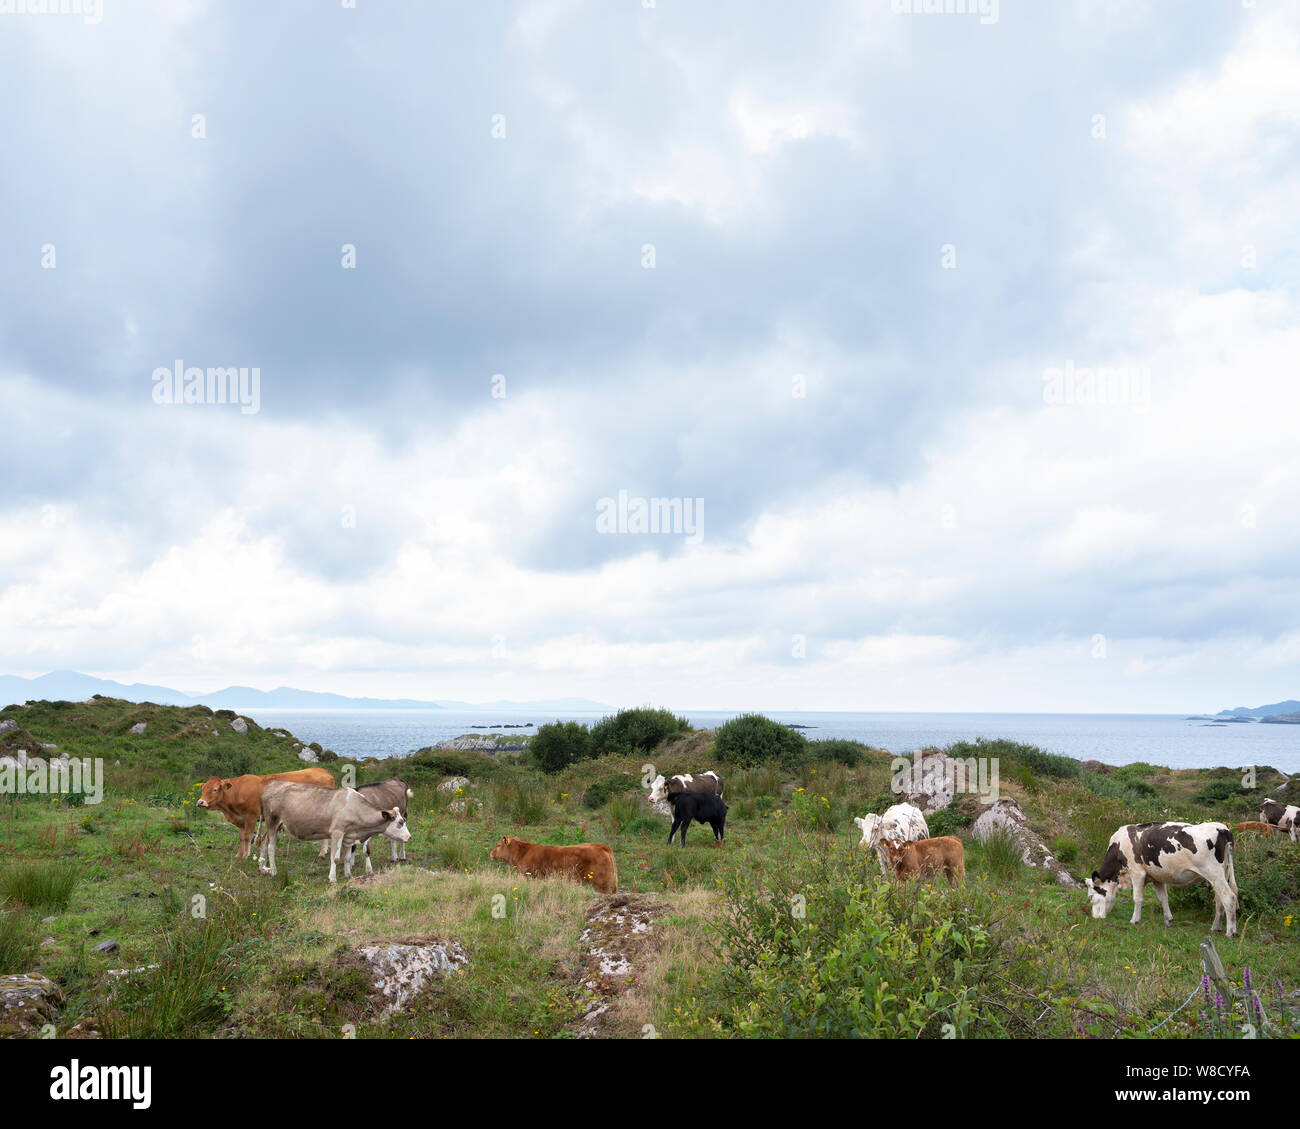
x=699, y=806
x=709, y=782
x=1285, y=816
x=1167, y=854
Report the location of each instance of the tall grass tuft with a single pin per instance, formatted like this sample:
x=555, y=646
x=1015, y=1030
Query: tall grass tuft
x=192, y=990
x=39, y=885
x=1002, y=854
x=17, y=942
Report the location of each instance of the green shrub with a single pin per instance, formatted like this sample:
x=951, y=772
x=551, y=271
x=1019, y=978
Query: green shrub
x=39, y=885
x=602, y=791
x=1002, y=854
x=840, y=750
x=224, y=761
x=947, y=821
x=559, y=744
x=752, y=739
x=634, y=731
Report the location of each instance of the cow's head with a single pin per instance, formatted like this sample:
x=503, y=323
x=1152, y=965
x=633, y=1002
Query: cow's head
x=1101, y=894
x=658, y=790
x=504, y=848
x=212, y=790
x=395, y=825
x=869, y=825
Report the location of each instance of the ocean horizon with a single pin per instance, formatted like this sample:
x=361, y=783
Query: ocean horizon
x=1162, y=739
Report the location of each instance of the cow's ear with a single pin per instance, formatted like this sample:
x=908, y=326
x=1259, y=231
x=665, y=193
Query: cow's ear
x=226, y=784
x=387, y=814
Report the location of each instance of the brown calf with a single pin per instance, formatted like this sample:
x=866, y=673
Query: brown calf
x=239, y=799
x=929, y=856
x=1255, y=825
x=586, y=862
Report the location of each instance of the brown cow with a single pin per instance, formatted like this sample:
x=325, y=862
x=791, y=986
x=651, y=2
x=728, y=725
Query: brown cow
x=929, y=856
x=239, y=799
x=1254, y=825
x=585, y=862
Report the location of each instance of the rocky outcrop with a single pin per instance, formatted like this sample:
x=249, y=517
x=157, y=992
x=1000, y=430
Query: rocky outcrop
x=307, y=755
x=7, y=725
x=1006, y=817
x=400, y=970
x=138, y=728
x=240, y=726
x=27, y=1002
x=619, y=936
x=454, y=784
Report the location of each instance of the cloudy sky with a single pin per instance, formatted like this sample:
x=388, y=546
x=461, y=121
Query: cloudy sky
x=841, y=281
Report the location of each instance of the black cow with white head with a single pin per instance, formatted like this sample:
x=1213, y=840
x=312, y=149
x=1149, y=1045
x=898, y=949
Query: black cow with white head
x=1167, y=854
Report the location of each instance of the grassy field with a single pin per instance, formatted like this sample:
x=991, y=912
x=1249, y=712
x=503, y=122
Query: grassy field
x=244, y=954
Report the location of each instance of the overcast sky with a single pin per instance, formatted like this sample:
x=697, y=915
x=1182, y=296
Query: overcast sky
x=840, y=272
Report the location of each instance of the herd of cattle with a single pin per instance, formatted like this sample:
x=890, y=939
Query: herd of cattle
x=307, y=805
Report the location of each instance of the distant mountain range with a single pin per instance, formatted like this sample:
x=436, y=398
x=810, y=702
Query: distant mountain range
x=1287, y=712
x=69, y=685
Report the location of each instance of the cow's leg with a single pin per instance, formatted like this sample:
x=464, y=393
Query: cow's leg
x=268, y=845
x=1162, y=896
x=369, y=869
x=1139, y=880
x=1225, y=902
x=349, y=853
x=245, y=837
x=336, y=849
x=681, y=839
x=324, y=848
x=673, y=830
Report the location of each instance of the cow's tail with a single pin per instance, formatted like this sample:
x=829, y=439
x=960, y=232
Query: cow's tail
x=613, y=872
x=1231, y=872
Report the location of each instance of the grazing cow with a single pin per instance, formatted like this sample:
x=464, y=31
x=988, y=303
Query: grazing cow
x=698, y=806
x=709, y=782
x=944, y=855
x=585, y=862
x=1285, y=817
x=1167, y=854
x=342, y=816
x=1261, y=828
x=902, y=821
x=388, y=794
x=239, y=798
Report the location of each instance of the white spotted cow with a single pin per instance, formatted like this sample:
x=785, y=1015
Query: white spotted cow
x=1285, y=817
x=1167, y=854
x=905, y=822
x=708, y=782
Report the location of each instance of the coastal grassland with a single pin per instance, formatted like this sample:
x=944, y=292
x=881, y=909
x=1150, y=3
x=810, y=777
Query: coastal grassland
x=1012, y=954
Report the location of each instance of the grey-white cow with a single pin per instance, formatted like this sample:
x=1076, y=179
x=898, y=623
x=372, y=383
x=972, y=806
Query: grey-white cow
x=342, y=815
x=386, y=794
x=1285, y=816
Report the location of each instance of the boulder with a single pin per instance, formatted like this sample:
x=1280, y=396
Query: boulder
x=307, y=755
x=1006, y=817
x=240, y=726
x=138, y=728
x=399, y=971
x=455, y=783
x=27, y=1002
x=8, y=725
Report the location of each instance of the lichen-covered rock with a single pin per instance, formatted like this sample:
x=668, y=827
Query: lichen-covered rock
x=1006, y=817
x=462, y=807
x=139, y=727
x=7, y=725
x=399, y=971
x=27, y=1002
x=454, y=784
x=240, y=726
x=307, y=755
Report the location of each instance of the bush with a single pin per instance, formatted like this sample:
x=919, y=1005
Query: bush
x=947, y=821
x=634, y=731
x=601, y=791
x=559, y=744
x=224, y=762
x=753, y=739
x=840, y=750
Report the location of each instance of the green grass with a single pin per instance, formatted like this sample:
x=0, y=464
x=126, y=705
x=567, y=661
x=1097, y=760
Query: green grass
x=39, y=885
